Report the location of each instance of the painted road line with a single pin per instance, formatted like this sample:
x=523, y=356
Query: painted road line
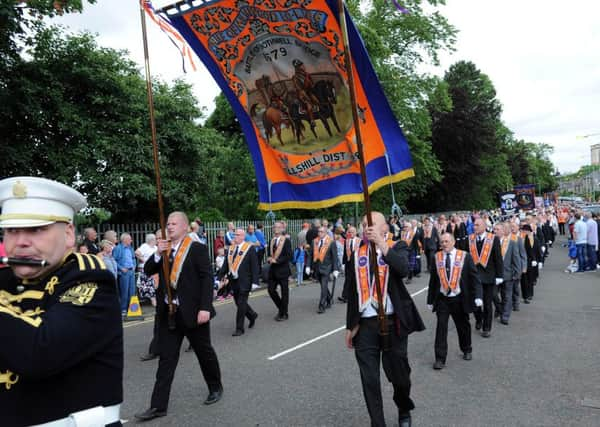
x=320, y=337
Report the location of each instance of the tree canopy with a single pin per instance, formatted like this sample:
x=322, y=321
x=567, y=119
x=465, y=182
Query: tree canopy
x=77, y=112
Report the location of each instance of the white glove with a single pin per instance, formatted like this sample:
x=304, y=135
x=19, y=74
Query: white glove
x=307, y=271
x=540, y=265
x=336, y=274
x=430, y=307
x=418, y=256
x=543, y=248
x=478, y=302
x=499, y=280
x=534, y=263
x=549, y=242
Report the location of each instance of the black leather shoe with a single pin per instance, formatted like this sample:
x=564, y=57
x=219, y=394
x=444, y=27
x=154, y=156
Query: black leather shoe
x=516, y=308
x=150, y=414
x=286, y=316
x=281, y=317
x=526, y=301
x=344, y=300
x=252, y=321
x=486, y=334
x=478, y=325
x=404, y=421
x=438, y=365
x=148, y=356
x=496, y=314
x=237, y=333
x=214, y=397
x=321, y=310
x=504, y=321
x=468, y=356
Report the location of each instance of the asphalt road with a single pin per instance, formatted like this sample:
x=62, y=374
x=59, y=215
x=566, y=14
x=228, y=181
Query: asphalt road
x=535, y=372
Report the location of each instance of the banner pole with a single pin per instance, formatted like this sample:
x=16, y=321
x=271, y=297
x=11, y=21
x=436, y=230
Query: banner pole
x=161, y=210
x=383, y=329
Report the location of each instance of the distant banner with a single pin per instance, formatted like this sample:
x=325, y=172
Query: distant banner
x=508, y=203
x=280, y=63
x=525, y=196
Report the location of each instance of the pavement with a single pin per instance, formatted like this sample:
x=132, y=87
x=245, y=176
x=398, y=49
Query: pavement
x=541, y=370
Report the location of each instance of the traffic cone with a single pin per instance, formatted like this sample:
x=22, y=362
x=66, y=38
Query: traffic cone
x=134, y=312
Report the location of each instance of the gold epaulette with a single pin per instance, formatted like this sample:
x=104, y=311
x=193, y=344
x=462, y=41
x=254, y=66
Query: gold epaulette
x=88, y=262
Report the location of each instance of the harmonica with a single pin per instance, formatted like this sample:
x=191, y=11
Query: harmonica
x=23, y=261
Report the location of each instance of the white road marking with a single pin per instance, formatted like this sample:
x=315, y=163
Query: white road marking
x=320, y=337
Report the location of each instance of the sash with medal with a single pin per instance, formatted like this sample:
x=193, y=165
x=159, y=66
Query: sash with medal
x=355, y=244
x=276, y=251
x=367, y=294
x=408, y=238
x=234, y=262
x=504, y=246
x=486, y=250
x=459, y=262
x=180, y=256
x=319, y=253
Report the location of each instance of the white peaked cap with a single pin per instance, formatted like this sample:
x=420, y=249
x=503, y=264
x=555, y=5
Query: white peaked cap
x=34, y=202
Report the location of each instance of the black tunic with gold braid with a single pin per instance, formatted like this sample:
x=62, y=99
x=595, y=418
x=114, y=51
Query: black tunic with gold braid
x=61, y=342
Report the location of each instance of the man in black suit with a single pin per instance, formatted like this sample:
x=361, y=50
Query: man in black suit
x=191, y=283
x=484, y=248
x=454, y=288
x=350, y=245
x=401, y=317
x=280, y=255
x=431, y=242
x=322, y=258
x=241, y=269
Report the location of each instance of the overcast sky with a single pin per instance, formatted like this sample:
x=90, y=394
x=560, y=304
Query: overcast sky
x=543, y=57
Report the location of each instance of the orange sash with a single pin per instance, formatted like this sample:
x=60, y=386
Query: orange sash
x=504, y=246
x=234, y=263
x=459, y=262
x=514, y=237
x=349, y=253
x=319, y=254
x=276, y=251
x=408, y=236
x=486, y=250
x=180, y=256
x=367, y=294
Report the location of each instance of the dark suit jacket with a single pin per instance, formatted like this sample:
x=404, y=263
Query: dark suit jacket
x=495, y=266
x=280, y=270
x=470, y=286
x=247, y=272
x=408, y=317
x=194, y=288
x=534, y=253
x=330, y=263
x=432, y=243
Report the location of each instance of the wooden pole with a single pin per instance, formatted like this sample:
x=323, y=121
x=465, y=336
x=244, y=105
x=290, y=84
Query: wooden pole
x=161, y=210
x=383, y=330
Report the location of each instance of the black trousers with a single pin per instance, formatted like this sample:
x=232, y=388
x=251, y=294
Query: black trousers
x=561, y=228
x=486, y=314
x=243, y=308
x=446, y=307
x=395, y=365
x=326, y=296
x=526, y=286
x=170, y=346
x=153, y=348
x=280, y=302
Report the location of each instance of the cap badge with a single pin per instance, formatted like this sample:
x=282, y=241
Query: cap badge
x=19, y=190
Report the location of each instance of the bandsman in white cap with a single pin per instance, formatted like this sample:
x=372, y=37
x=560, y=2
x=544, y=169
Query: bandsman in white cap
x=61, y=357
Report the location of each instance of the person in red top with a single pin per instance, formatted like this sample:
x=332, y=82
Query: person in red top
x=219, y=242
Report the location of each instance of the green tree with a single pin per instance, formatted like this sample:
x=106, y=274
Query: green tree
x=77, y=113
x=469, y=141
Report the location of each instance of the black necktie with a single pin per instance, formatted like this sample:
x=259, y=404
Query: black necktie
x=236, y=251
x=351, y=245
x=448, y=269
x=321, y=244
x=172, y=256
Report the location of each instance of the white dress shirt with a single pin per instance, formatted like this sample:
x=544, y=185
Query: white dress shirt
x=370, y=311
